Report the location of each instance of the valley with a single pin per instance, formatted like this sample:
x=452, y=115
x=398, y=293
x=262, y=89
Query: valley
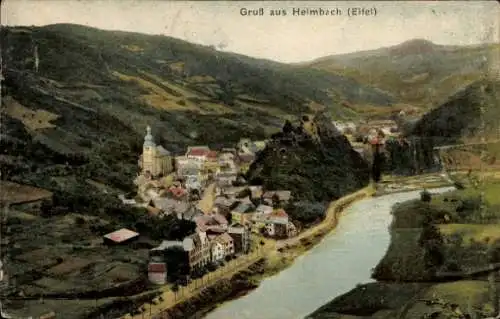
x=148, y=176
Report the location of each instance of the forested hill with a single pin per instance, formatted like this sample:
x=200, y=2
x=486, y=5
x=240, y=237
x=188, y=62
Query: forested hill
x=460, y=117
x=312, y=159
x=77, y=100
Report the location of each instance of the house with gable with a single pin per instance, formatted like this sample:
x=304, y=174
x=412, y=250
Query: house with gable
x=241, y=237
x=227, y=242
x=274, y=224
x=241, y=214
x=217, y=252
x=157, y=273
x=213, y=223
x=223, y=204
x=199, y=252
x=198, y=153
x=282, y=197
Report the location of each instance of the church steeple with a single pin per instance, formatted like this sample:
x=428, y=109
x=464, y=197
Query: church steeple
x=148, y=139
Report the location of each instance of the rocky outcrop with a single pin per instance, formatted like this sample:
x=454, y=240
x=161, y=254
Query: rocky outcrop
x=312, y=159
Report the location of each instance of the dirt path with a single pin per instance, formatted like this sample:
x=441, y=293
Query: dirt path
x=330, y=220
x=207, y=200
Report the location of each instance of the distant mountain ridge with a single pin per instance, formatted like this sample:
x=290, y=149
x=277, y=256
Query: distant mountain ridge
x=416, y=72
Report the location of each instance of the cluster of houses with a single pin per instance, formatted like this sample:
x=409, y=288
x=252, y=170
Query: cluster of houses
x=177, y=185
x=369, y=135
x=224, y=233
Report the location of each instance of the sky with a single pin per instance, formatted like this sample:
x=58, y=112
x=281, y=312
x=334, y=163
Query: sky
x=281, y=38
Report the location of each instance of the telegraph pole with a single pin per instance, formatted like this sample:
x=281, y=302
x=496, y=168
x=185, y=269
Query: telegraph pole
x=483, y=141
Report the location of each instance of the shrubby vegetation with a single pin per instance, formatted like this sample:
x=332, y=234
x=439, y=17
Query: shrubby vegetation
x=316, y=167
x=307, y=212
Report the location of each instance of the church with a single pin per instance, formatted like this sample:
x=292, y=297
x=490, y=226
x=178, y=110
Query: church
x=155, y=159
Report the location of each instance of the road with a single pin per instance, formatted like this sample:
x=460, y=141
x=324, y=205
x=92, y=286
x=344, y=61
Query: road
x=196, y=286
x=330, y=220
x=207, y=200
x=444, y=147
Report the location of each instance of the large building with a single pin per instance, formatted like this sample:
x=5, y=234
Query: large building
x=155, y=159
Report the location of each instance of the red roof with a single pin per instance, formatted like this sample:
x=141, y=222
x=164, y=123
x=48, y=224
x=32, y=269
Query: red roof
x=198, y=151
x=279, y=213
x=376, y=140
x=177, y=191
x=157, y=267
x=121, y=235
x=212, y=154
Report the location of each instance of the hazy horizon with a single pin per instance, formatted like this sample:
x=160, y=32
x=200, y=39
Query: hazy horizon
x=288, y=39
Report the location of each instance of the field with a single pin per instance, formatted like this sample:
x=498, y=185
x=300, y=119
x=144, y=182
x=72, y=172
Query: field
x=63, y=257
x=32, y=119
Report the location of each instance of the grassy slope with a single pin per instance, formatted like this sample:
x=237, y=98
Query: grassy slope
x=417, y=72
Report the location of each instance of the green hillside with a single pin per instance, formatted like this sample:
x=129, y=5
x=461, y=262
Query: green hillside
x=417, y=72
x=460, y=117
x=94, y=92
x=313, y=160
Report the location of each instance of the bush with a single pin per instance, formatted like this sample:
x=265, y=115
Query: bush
x=306, y=212
x=425, y=196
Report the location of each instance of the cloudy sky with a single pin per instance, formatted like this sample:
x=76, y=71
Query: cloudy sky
x=287, y=38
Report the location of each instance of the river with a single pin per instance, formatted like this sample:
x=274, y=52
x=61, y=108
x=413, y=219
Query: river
x=336, y=265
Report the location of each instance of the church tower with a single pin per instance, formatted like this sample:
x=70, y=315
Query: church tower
x=149, y=152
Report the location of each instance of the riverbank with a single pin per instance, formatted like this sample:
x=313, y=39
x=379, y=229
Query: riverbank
x=275, y=257
x=438, y=261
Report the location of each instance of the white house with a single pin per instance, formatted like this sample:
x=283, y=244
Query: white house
x=217, y=251
x=157, y=273
x=198, y=153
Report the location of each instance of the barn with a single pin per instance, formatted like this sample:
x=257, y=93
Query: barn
x=120, y=236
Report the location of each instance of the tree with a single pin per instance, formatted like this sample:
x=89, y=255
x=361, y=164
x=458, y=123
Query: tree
x=377, y=165
x=288, y=127
x=432, y=243
x=425, y=196
x=175, y=289
x=276, y=201
x=46, y=208
x=245, y=193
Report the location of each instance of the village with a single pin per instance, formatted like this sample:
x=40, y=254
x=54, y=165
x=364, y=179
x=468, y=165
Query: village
x=233, y=221
x=206, y=187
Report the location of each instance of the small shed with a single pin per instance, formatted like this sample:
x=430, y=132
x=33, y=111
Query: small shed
x=120, y=236
x=157, y=273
